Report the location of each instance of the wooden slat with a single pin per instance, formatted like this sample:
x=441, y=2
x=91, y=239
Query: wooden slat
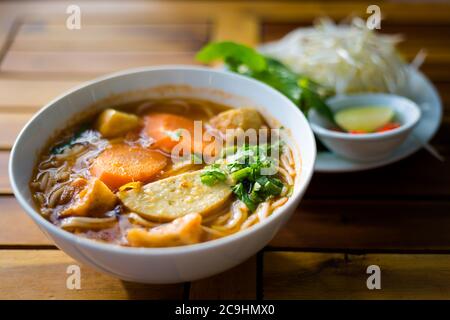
x=395, y=11
x=367, y=225
x=415, y=36
x=11, y=124
x=148, y=38
x=444, y=91
x=420, y=175
x=6, y=27
x=16, y=228
x=279, y=11
x=4, y=181
x=93, y=63
x=237, y=283
x=32, y=94
x=236, y=26
x=289, y=275
x=41, y=274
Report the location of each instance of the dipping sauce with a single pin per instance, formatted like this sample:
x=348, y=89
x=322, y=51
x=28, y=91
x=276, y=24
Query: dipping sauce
x=366, y=119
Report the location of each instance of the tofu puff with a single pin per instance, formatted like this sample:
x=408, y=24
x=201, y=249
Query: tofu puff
x=112, y=177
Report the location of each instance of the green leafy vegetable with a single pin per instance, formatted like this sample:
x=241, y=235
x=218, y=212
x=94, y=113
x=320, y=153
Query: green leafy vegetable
x=243, y=170
x=77, y=138
x=313, y=100
x=233, y=53
x=244, y=60
x=213, y=174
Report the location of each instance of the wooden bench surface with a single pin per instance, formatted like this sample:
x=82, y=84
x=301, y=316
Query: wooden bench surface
x=397, y=217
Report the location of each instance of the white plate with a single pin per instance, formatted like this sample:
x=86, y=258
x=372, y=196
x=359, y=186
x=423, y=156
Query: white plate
x=422, y=91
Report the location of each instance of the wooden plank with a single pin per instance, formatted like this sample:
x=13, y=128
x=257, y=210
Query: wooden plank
x=420, y=175
x=129, y=12
x=149, y=38
x=236, y=26
x=414, y=34
x=296, y=275
x=133, y=11
x=16, y=228
x=11, y=124
x=4, y=181
x=30, y=94
x=93, y=63
x=6, y=27
x=375, y=225
x=236, y=284
x=305, y=11
x=42, y=274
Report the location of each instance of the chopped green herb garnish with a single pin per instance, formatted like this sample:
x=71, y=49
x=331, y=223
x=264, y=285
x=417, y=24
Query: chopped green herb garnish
x=243, y=170
x=213, y=174
x=77, y=138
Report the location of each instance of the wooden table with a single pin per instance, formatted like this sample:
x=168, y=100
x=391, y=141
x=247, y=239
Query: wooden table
x=397, y=217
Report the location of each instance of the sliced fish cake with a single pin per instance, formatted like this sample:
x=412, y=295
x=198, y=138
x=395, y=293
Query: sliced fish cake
x=174, y=197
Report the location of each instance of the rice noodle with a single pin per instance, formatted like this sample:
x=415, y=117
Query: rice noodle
x=284, y=191
x=214, y=232
x=135, y=218
x=238, y=216
x=44, y=181
x=218, y=218
x=55, y=197
x=278, y=203
x=178, y=168
x=286, y=176
x=285, y=165
x=87, y=223
x=287, y=152
x=249, y=222
x=262, y=211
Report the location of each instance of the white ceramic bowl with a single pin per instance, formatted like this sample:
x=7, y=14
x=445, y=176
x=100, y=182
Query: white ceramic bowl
x=371, y=146
x=176, y=264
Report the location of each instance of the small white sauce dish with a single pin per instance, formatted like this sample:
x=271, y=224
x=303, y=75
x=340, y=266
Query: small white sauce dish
x=371, y=146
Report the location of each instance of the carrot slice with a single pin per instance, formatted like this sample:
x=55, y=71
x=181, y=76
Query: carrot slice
x=122, y=163
x=388, y=126
x=167, y=128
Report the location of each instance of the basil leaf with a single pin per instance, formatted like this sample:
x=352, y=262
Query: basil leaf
x=234, y=54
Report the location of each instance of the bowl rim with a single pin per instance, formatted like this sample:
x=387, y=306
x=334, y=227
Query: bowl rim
x=115, y=248
x=374, y=135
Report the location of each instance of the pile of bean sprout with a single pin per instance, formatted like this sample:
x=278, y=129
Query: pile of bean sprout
x=346, y=58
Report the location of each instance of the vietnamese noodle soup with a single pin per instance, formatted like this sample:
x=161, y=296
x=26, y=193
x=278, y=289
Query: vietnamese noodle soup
x=164, y=172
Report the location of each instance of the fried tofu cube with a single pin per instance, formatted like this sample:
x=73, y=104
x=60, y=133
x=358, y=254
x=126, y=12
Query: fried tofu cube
x=112, y=123
x=94, y=198
x=243, y=118
x=181, y=231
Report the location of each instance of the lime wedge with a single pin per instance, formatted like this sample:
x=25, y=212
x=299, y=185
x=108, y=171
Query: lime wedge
x=364, y=119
